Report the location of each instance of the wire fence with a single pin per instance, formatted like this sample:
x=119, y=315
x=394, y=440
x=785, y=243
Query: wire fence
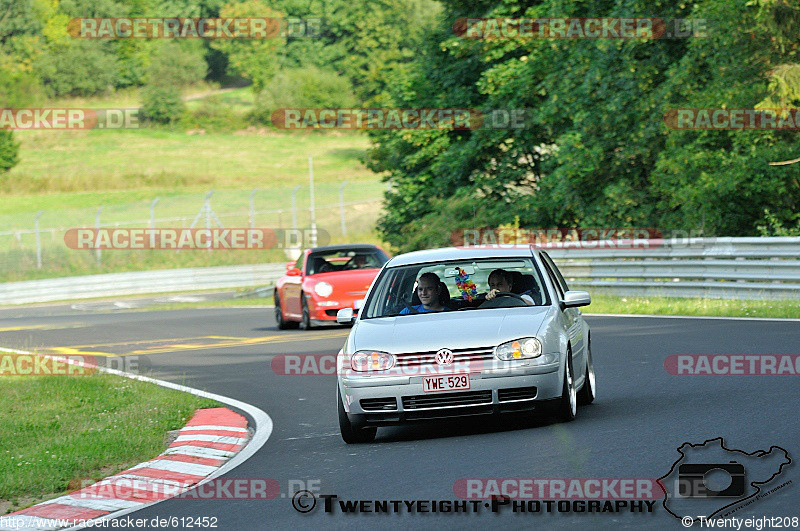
x=32, y=244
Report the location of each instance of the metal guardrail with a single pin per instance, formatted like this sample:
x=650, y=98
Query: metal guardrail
x=724, y=268
x=735, y=268
x=115, y=284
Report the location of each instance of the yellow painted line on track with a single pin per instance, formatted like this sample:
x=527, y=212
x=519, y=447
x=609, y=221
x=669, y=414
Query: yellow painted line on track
x=161, y=348
x=41, y=327
x=143, y=341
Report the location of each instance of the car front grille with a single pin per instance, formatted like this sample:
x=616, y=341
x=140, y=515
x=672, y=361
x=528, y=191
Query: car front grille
x=460, y=355
x=378, y=404
x=516, y=393
x=468, y=398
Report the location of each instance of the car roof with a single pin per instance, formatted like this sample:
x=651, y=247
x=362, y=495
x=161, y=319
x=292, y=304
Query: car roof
x=462, y=253
x=350, y=247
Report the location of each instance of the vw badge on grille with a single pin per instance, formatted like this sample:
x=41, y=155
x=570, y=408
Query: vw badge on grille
x=444, y=356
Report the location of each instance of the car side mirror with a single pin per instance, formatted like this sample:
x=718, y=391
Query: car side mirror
x=294, y=272
x=575, y=298
x=344, y=316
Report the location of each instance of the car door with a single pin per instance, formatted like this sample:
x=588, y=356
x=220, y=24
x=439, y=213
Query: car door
x=572, y=318
x=292, y=289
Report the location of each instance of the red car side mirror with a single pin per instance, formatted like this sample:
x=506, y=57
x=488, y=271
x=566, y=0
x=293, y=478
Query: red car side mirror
x=293, y=272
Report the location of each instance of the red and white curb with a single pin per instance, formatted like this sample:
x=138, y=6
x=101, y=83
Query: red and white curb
x=212, y=443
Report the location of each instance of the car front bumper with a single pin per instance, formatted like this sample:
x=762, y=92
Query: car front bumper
x=327, y=314
x=399, y=399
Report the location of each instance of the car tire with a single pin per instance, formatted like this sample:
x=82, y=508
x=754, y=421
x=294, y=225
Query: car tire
x=567, y=405
x=352, y=434
x=305, y=323
x=587, y=393
x=282, y=323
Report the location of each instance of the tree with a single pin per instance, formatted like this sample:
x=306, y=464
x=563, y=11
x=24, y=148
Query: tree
x=255, y=59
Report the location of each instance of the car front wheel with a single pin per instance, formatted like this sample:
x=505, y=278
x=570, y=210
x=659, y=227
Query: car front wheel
x=587, y=393
x=305, y=324
x=353, y=434
x=567, y=405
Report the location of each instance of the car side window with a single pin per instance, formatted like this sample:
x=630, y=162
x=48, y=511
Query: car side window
x=559, y=276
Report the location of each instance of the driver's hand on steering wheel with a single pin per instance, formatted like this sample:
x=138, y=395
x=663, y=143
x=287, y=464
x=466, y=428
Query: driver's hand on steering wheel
x=492, y=294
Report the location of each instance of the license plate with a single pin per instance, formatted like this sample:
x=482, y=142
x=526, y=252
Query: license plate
x=433, y=384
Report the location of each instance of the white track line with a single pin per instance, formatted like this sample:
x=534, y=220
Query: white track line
x=719, y=318
x=213, y=428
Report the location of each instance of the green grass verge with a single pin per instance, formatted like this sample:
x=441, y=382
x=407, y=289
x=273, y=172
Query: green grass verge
x=600, y=304
x=227, y=303
x=60, y=428
x=699, y=307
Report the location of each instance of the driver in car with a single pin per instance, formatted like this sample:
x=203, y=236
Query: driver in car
x=500, y=282
x=428, y=286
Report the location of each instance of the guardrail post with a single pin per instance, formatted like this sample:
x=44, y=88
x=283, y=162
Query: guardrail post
x=311, y=202
x=294, y=206
x=38, y=241
x=153, y=204
x=97, y=252
x=341, y=208
x=252, y=209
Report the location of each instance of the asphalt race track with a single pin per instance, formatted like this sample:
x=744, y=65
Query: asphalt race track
x=640, y=418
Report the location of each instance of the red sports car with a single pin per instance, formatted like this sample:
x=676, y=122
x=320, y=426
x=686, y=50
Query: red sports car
x=323, y=281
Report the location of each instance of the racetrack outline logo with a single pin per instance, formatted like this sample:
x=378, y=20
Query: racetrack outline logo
x=737, y=454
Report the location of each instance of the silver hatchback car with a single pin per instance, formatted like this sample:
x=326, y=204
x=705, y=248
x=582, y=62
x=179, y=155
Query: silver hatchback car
x=463, y=331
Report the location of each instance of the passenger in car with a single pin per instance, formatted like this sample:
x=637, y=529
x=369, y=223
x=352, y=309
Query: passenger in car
x=429, y=291
x=501, y=281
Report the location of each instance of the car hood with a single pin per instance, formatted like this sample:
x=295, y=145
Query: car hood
x=432, y=331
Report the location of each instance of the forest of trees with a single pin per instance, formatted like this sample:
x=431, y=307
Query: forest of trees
x=599, y=153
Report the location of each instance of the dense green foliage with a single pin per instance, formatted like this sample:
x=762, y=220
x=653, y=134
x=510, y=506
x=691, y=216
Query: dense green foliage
x=9, y=149
x=597, y=151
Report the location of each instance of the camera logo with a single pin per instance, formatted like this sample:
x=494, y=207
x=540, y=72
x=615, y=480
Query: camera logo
x=709, y=479
x=703, y=480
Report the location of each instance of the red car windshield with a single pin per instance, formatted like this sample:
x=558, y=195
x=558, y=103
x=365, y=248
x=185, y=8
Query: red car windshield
x=344, y=260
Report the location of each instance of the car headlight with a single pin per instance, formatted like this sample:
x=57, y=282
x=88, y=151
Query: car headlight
x=369, y=360
x=323, y=289
x=525, y=348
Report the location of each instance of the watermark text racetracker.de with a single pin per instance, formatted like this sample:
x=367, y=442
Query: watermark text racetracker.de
x=66, y=119
x=579, y=28
x=733, y=119
x=384, y=364
x=31, y=364
x=14, y=364
x=578, y=238
x=193, y=27
x=216, y=238
x=388, y=118
x=732, y=364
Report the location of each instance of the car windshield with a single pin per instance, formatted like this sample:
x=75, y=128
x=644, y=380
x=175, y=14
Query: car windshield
x=344, y=260
x=465, y=284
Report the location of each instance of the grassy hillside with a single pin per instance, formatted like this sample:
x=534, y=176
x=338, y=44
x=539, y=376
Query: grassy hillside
x=71, y=174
